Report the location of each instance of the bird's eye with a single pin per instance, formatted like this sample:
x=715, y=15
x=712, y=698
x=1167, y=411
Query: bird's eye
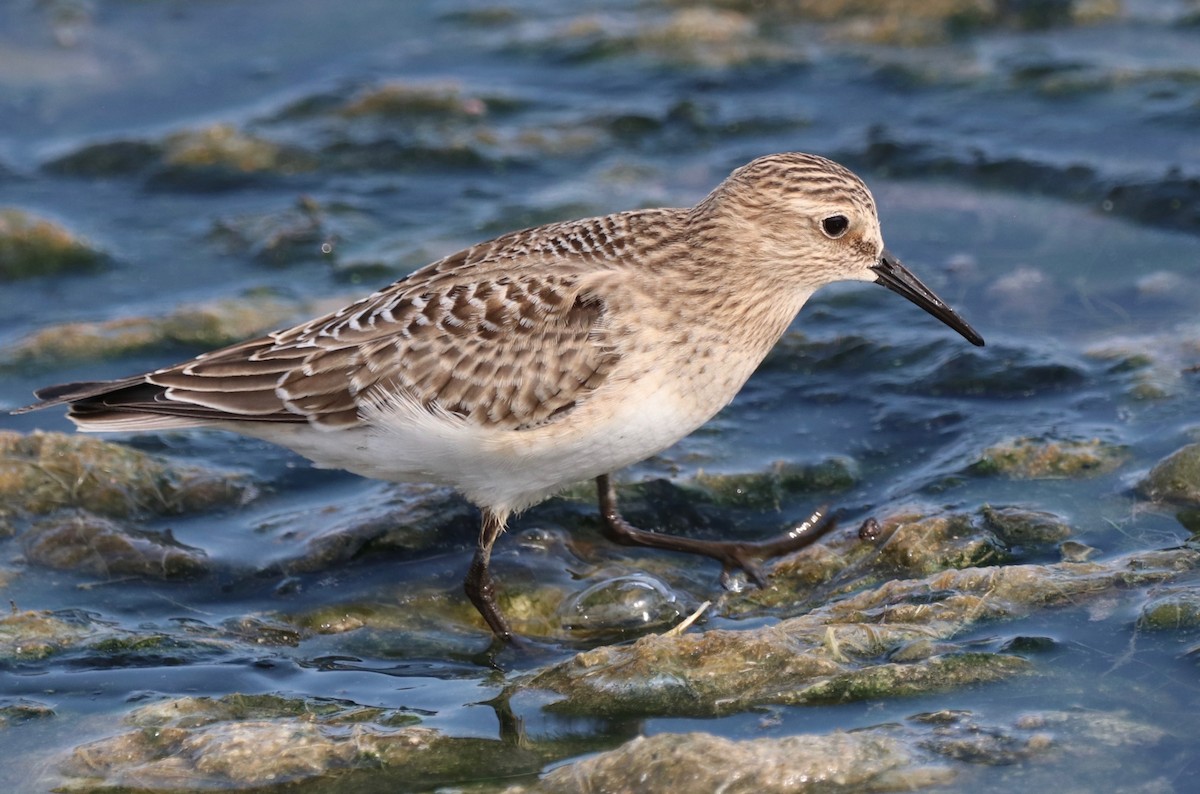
x=835, y=226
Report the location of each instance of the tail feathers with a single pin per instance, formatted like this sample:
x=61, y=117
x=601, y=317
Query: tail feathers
x=64, y=393
x=136, y=404
x=128, y=421
x=115, y=405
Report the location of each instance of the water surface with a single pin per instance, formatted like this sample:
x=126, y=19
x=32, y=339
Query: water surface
x=1041, y=180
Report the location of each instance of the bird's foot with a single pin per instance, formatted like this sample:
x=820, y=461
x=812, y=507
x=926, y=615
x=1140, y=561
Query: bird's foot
x=749, y=557
x=733, y=555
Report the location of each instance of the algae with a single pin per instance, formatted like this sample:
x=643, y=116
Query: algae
x=1171, y=611
x=1039, y=458
x=1018, y=526
x=834, y=651
x=244, y=741
x=31, y=636
x=767, y=490
x=225, y=148
x=44, y=472
x=929, y=750
x=917, y=23
x=14, y=711
x=102, y=547
x=1176, y=478
x=200, y=326
x=31, y=246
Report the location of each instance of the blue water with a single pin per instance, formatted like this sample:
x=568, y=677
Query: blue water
x=998, y=189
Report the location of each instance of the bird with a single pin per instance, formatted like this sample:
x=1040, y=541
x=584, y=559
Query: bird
x=543, y=357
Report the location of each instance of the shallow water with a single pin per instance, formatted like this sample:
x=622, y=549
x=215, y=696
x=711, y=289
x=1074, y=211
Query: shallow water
x=1042, y=181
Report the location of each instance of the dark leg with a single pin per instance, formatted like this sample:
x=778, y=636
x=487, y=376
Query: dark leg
x=732, y=555
x=479, y=585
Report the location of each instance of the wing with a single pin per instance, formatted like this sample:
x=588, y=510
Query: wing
x=508, y=353
x=510, y=334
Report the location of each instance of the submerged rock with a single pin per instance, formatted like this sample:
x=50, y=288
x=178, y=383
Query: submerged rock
x=221, y=155
x=865, y=761
x=1172, y=201
x=409, y=101
x=1018, y=526
x=397, y=125
x=910, y=541
x=1172, y=611
x=1008, y=373
x=87, y=639
x=200, y=711
x=918, y=545
x=412, y=126
x=767, y=490
x=929, y=750
x=18, y=710
x=261, y=631
x=936, y=673
x=221, y=145
x=400, y=101
x=834, y=652
x=700, y=37
x=1037, y=458
x=280, y=239
x=214, y=157
x=1189, y=517
x=913, y=22
x=31, y=636
x=32, y=246
x=939, y=368
x=408, y=520
x=558, y=580
x=705, y=37
x=44, y=472
x=256, y=741
x=1074, y=551
x=195, y=326
x=102, y=547
x=242, y=742
x=1150, y=366
x=107, y=159
x=1176, y=478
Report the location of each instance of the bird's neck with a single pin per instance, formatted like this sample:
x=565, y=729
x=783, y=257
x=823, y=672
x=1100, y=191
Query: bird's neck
x=731, y=286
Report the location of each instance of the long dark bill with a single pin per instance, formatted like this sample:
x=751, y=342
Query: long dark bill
x=900, y=280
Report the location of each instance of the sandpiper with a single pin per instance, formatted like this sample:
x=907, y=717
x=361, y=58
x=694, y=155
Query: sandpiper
x=543, y=357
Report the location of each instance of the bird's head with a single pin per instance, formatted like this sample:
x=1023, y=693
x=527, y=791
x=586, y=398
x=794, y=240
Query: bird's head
x=806, y=221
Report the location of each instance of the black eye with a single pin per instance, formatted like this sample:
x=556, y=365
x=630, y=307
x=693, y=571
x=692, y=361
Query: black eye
x=835, y=225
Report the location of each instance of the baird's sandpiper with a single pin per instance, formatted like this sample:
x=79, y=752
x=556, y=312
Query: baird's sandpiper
x=543, y=357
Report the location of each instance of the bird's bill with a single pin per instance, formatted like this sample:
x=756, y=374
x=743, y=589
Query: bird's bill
x=899, y=279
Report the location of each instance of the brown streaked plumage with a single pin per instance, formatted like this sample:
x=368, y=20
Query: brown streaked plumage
x=543, y=357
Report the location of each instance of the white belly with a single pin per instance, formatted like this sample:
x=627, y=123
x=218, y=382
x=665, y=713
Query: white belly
x=503, y=469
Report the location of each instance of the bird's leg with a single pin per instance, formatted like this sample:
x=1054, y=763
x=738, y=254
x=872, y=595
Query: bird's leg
x=732, y=555
x=480, y=587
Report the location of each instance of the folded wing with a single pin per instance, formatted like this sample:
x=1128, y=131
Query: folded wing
x=499, y=350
